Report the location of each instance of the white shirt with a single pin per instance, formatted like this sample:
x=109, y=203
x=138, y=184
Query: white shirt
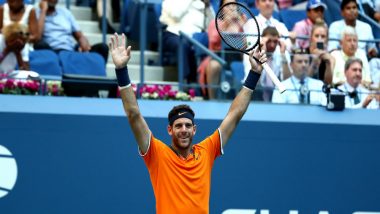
x=274, y=62
x=10, y=61
x=292, y=94
x=250, y=27
x=24, y=20
x=340, y=60
x=374, y=66
x=362, y=94
x=363, y=30
x=185, y=15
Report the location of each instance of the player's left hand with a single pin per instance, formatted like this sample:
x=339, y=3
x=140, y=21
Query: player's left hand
x=260, y=56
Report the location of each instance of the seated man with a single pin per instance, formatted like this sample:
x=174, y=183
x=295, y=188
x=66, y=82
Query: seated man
x=349, y=12
x=300, y=87
x=278, y=58
x=314, y=11
x=349, y=43
x=57, y=26
x=12, y=42
x=357, y=95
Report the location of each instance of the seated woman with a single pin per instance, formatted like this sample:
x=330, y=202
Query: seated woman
x=209, y=69
x=322, y=62
x=16, y=11
x=12, y=42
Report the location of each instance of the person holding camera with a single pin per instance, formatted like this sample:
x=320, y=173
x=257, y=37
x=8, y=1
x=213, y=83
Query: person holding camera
x=323, y=63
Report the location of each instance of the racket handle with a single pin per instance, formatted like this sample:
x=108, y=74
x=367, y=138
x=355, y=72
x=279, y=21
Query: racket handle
x=274, y=78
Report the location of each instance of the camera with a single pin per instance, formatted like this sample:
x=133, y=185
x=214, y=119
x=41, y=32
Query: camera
x=320, y=45
x=335, y=98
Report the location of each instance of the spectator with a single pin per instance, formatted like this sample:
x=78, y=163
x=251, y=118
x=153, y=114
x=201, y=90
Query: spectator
x=13, y=39
x=15, y=11
x=285, y=4
x=314, y=11
x=188, y=16
x=371, y=8
x=374, y=66
x=278, y=58
x=57, y=27
x=265, y=19
x=322, y=63
x=357, y=95
x=209, y=69
x=18, y=11
x=300, y=87
x=349, y=43
x=349, y=12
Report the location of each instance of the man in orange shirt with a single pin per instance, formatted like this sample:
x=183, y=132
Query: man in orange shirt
x=180, y=173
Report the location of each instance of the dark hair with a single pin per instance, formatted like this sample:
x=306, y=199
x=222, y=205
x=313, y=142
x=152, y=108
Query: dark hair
x=298, y=51
x=351, y=61
x=270, y=31
x=180, y=108
x=346, y=2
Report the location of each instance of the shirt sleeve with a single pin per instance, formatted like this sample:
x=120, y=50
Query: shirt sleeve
x=213, y=145
x=151, y=155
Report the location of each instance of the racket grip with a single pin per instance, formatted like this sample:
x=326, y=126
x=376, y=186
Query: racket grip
x=274, y=78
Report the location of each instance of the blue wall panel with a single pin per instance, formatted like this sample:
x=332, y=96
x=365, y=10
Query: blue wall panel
x=88, y=163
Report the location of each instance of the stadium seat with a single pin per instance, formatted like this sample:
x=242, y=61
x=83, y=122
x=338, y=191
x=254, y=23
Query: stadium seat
x=79, y=63
x=45, y=62
x=203, y=39
x=290, y=17
x=237, y=68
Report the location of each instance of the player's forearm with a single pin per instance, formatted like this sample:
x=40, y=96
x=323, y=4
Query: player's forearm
x=240, y=104
x=129, y=102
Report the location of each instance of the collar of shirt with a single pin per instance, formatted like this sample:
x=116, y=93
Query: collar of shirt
x=262, y=20
x=297, y=82
x=349, y=88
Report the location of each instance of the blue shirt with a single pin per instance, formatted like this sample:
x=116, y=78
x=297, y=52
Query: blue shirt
x=59, y=28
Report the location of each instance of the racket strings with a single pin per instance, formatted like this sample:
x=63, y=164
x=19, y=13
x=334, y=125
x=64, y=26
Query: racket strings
x=235, y=27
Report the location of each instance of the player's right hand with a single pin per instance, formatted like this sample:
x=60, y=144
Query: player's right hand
x=120, y=54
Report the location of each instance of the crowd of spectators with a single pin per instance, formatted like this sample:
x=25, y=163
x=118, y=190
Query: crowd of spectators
x=311, y=54
x=27, y=27
x=307, y=57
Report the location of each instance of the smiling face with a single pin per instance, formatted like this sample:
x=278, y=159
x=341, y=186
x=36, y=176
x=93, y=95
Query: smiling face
x=182, y=132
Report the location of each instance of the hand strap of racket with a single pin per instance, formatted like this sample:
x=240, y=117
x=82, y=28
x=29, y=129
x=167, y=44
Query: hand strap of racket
x=123, y=77
x=251, y=80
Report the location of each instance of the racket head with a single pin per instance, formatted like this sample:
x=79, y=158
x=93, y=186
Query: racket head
x=238, y=27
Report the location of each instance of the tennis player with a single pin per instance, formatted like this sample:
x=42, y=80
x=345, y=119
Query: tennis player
x=180, y=173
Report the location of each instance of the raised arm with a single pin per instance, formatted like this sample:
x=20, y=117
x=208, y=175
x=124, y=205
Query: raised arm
x=121, y=55
x=240, y=103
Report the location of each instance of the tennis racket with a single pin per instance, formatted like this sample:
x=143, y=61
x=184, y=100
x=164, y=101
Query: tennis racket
x=239, y=29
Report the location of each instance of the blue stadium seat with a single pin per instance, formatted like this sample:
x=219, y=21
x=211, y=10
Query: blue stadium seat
x=79, y=63
x=203, y=39
x=237, y=68
x=45, y=62
x=290, y=17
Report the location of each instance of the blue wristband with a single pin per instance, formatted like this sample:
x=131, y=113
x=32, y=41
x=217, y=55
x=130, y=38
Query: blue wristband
x=251, y=80
x=122, y=76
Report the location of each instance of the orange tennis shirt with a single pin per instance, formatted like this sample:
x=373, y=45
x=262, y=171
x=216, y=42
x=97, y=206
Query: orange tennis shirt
x=182, y=186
